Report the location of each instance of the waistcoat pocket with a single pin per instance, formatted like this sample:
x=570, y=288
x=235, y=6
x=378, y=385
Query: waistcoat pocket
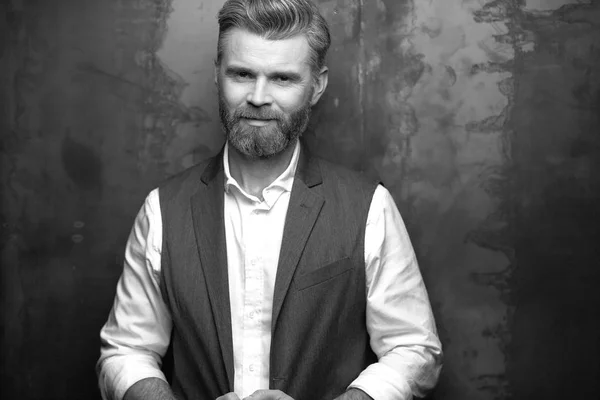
x=323, y=274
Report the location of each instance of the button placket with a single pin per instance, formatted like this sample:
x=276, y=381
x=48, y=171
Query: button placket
x=253, y=295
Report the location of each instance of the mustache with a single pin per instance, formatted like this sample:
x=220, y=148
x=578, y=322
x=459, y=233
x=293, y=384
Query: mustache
x=257, y=114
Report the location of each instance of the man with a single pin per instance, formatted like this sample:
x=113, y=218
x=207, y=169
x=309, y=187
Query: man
x=272, y=273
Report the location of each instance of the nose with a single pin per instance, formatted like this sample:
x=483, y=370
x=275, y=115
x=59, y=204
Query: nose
x=260, y=96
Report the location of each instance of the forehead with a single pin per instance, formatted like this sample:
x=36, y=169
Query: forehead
x=253, y=51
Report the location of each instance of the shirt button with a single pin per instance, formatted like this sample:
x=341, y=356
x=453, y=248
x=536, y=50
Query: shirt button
x=251, y=367
x=252, y=314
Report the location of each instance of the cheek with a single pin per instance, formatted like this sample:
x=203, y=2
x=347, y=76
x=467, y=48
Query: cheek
x=232, y=94
x=292, y=99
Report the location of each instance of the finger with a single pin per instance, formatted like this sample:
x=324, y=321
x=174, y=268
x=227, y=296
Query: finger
x=268, y=395
x=228, y=396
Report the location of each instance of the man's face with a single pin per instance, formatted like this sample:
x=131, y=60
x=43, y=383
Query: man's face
x=266, y=91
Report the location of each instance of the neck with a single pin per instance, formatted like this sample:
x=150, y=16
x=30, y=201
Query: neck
x=254, y=174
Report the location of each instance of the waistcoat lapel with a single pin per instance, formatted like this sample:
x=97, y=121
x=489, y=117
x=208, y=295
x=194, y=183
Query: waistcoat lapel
x=303, y=210
x=209, y=228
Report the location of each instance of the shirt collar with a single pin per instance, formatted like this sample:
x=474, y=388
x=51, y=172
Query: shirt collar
x=283, y=183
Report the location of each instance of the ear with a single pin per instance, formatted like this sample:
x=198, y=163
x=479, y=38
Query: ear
x=216, y=72
x=319, y=85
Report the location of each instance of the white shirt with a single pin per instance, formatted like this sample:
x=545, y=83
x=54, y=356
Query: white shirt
x=398, y=316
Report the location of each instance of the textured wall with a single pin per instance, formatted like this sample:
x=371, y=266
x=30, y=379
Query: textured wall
x=482, y=118
x=80, y=81
x=555, y=139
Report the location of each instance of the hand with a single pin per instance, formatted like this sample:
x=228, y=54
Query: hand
x=268, y=395
x=229, y=396
x=354, y=394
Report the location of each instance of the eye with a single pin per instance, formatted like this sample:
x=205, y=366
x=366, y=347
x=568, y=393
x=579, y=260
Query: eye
x=243, y=75
x=282, y=79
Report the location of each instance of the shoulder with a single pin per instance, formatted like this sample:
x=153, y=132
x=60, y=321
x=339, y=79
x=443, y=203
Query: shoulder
x=184, y=183
x=341, y=175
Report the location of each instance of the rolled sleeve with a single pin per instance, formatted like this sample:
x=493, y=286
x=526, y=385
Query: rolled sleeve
x=137, y=332
x=119, y=373
x=399, y=317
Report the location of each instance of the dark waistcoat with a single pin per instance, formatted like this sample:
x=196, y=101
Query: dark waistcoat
x=319, y=338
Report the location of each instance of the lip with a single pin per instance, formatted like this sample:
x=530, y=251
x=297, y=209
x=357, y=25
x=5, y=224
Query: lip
x=257, y=122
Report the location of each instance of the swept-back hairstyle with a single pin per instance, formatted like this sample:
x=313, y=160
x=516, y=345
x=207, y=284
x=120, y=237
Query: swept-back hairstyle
x=277, y=20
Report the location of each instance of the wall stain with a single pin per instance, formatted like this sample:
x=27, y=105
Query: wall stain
x=187, y=113
x=81, y=162
x=465, y=216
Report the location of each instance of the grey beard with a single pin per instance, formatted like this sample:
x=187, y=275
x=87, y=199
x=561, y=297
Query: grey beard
x=263, y=142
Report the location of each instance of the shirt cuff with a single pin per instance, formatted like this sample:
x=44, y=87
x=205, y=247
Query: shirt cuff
x=382, y=383
x=119, y=373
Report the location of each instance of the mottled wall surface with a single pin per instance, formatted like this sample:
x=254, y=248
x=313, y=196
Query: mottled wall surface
x=555, y=338
x=80, y=85
x=481, y=117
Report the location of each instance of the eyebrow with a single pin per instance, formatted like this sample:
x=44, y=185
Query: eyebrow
x=292, y=75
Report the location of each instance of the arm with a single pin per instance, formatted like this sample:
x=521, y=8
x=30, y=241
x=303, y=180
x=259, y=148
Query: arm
x=399, y=317
x=138, y=330
x=149, y=389
x=354, y=394
x=350, y=394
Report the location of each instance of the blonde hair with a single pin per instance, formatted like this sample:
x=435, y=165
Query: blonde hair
x=277, y=20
